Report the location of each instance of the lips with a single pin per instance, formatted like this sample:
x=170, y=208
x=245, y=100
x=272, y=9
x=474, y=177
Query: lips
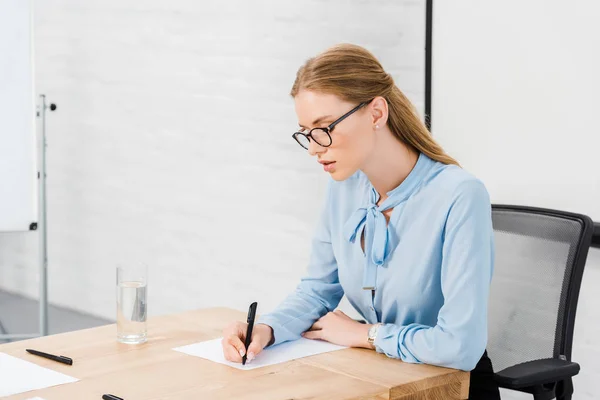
x=328, y=166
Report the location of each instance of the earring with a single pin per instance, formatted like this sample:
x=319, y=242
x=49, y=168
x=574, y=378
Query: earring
x=376, y=126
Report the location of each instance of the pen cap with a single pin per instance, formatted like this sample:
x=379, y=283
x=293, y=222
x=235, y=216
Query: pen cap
x=66, y=360
x=252, y=312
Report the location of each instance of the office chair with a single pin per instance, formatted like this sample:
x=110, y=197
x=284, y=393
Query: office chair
x=596, y=237
x=540, y=255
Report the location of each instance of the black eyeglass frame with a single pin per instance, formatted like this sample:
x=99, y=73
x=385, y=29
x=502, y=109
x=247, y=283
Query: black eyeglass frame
x=309, y=136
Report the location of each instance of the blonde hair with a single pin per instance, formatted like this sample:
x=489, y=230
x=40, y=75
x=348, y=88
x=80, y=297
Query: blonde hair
x=353, y=74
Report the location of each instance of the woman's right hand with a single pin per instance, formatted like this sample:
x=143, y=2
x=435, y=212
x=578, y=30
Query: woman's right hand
x=234, y=337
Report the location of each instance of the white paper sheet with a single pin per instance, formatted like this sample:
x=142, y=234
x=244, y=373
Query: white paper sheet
x=213, y=351
x=19, y=376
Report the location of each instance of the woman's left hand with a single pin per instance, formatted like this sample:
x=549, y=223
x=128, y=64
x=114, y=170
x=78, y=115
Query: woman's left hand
x=338, y=328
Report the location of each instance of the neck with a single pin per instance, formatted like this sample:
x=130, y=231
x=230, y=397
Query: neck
x=390, y=164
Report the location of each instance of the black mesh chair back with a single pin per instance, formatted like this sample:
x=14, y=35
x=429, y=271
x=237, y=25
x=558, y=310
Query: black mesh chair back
x=539, y=261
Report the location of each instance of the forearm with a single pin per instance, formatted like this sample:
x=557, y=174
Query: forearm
x=416, y=343
x=301, y=309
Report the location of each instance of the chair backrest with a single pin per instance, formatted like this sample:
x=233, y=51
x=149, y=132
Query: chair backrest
x=540, y=256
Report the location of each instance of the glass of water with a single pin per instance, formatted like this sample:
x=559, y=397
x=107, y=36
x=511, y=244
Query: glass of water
x=132, y=304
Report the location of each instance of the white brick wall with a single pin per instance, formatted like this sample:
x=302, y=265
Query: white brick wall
x=171, y=145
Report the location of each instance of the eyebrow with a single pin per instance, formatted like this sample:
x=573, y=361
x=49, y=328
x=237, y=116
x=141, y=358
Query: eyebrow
x=316, y=121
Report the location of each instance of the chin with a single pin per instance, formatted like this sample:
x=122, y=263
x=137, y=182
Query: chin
x=341, y=175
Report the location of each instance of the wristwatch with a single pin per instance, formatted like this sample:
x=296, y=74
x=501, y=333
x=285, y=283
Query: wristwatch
x=372, y=335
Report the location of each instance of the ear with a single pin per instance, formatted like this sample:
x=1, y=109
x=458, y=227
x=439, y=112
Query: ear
x=379, y=111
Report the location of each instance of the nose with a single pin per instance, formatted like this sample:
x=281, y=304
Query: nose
x=314, y=148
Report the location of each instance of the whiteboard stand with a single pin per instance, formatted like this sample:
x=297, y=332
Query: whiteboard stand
x=43, y=221
x=41, y=226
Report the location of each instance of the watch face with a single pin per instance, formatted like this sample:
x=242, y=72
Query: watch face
x=373, y=331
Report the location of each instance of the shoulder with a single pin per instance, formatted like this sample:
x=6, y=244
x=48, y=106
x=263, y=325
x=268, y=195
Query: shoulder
x=454, y=184
x=452, y=194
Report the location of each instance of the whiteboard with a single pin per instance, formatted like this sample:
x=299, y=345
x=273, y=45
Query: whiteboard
x=18, y=166
x=516, y=98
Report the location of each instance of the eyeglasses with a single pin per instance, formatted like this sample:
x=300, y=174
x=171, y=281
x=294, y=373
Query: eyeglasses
x=322, y=136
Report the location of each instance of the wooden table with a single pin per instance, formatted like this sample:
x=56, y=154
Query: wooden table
x=153, y=370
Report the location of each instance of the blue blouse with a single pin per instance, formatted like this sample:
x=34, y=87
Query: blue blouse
x=425, y=276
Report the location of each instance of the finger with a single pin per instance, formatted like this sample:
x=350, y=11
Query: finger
x=255, y=348
x=317, y=326
x=240, y=330
x=327, y=317
x=237, y=344
x=341, y=314
x=229, y=352
x=229, y=330
x=232, y=354
x=236, y=328
x=313, y=335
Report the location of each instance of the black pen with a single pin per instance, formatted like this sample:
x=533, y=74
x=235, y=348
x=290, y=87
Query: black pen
x=251, y=315
x=61, y=359
x=110, y=397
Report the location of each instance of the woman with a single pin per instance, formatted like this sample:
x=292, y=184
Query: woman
x=405, y=233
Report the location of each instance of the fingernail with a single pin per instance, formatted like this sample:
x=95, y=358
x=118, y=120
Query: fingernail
x=242, y=352
x=250, y=356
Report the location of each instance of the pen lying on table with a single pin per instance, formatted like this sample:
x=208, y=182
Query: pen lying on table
x=61, y=359
x=110, y=397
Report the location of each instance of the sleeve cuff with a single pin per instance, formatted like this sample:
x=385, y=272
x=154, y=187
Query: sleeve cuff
x=279, y=332
x=379, y=339
x=387, y=340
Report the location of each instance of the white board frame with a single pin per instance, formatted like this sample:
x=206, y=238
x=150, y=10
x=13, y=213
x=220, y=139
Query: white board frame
x=18, y=136
x=515, y=98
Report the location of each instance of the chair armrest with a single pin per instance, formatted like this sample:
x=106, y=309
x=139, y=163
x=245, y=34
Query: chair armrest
x=537, y=372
